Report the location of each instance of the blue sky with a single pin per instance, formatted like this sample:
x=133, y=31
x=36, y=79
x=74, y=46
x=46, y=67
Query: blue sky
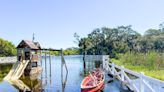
x=55, y=21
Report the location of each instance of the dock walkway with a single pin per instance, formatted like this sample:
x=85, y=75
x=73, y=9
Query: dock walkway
x=137, y=82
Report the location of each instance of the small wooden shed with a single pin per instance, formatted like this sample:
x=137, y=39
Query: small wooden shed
x=28, y=50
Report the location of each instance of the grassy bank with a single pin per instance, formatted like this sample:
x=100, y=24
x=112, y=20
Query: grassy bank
x=152, y=63
x=4, y=69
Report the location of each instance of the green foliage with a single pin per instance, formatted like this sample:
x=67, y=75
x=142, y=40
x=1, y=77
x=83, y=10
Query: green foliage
x=122, y=39
x=139, y=53
x=71, y=51
x=56, y=53
x=68, y=51
x=109, y=41
x=4, y=69
x=152, y=32
x=151, y=63
x=7, y=48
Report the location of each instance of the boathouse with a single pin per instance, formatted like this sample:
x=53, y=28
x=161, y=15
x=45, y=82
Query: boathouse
x=28, y=50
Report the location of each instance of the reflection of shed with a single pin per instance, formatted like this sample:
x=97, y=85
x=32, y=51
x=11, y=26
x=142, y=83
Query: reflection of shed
x=28, y=50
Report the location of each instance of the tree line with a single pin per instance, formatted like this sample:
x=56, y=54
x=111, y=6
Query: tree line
x=67, y=51
x=122, y=39
x=7, y=48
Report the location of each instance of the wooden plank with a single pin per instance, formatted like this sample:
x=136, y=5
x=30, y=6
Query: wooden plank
x=45, y=49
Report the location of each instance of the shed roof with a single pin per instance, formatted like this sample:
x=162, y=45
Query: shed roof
x=29, y=44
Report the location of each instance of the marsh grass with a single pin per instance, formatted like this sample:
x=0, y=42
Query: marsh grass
x=152, y=63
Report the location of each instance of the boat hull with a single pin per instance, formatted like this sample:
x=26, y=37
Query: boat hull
x=93, y=82
x=94, y=89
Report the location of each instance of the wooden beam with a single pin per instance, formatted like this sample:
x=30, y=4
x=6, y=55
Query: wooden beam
x=45, y=49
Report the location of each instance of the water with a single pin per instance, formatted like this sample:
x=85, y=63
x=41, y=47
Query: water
x=53, y=82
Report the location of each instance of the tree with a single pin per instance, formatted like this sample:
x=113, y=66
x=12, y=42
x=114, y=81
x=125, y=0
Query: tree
x=161, y=27
x=7, y=48
x=152, y=32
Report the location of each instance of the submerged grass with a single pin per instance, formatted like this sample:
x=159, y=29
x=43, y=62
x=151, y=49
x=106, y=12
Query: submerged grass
x=152, y=64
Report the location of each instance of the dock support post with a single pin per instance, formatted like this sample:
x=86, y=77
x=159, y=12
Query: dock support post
x=122, y=73
x=50, y=62
x=104, y=63
x=112, y=72
x=84, y=63
x=45, y=65
x=63, y=61
x=41, y=57
x=50, y=66
x=141, y=82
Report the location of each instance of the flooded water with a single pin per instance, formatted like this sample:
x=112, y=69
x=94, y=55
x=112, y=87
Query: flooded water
x=51, y=80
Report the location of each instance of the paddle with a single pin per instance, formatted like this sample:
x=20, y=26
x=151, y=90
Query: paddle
x=94, y=79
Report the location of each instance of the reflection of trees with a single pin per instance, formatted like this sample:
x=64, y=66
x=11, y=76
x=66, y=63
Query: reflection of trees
x=4, y=69
x=34, y=85
x=27, y=84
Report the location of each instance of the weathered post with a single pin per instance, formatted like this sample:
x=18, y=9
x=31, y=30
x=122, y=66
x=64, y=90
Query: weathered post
x=50, y=62
x=63, y=63
x=61, y=52
x=41, y=57
x=103, y=63
x=112, y=72
x=41, y=64
x=84, y=64
x=122, y=73
x=45, y=65
x=141, y=82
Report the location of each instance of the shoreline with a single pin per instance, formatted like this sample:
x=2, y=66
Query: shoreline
x=8, y=60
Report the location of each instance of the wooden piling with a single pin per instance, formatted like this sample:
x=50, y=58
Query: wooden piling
x=41, y=57
x=45, y=65
x=61, y=64
x=84, y=63
x=50, y=62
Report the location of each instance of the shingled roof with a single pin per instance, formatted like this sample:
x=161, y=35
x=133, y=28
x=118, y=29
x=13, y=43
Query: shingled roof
x=29, y=44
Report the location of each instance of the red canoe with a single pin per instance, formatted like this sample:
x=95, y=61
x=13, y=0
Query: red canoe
x=93, y=82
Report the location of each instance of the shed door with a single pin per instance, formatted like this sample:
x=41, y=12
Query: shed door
x=27, y=55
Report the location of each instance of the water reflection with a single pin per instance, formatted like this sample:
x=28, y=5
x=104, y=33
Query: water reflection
x=4, y=69
x=69, y=82
x=26, y=84
x=64, y=81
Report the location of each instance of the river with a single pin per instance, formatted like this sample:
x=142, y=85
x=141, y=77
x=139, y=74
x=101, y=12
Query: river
x=53, y=82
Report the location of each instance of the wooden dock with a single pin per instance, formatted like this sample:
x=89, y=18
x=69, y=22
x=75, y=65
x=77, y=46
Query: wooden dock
x=136, y=82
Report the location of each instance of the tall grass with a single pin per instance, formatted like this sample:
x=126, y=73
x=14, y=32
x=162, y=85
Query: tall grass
x=151, y=63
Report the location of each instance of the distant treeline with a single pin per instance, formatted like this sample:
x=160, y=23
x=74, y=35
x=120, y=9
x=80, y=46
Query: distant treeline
x=122, y=39
x=68, y=51
x=7, y=48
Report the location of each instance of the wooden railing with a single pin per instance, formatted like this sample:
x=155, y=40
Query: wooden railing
x=140, y=83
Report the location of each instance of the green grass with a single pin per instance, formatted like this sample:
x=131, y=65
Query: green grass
x=147, y=69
